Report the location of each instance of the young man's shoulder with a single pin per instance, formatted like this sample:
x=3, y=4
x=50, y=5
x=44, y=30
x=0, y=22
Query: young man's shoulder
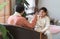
x=47, y=18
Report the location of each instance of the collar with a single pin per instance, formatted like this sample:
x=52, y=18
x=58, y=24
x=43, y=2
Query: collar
x=43, y=17
x=16, y=13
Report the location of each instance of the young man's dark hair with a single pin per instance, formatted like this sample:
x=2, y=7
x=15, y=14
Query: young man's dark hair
x=44, y=9
x=19, y=8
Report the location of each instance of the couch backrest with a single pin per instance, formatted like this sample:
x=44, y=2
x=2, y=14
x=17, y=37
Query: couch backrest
x=22, y=33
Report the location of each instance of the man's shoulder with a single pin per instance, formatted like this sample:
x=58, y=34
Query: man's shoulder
x=47, y=17
x=20, y=18
x=10, y=17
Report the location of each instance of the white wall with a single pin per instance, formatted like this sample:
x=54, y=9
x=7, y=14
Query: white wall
x=53, y=7
x=31, y=6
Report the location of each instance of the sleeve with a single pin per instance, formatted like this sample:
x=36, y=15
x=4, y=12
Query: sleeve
x=25, y=23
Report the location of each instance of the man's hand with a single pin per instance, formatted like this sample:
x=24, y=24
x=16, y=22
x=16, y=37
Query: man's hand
x=36, y=15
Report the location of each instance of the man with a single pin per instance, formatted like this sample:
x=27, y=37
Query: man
x=17, y=19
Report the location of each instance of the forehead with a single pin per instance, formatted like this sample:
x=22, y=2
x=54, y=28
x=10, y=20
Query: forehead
x=41, y=11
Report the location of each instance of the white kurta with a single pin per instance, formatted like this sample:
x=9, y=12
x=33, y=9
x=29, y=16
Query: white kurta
x=42, y=24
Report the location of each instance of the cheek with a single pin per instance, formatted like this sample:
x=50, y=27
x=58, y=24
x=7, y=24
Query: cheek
x=40, y=13
x=44, y=14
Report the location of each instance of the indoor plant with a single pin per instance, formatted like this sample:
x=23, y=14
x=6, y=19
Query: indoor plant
x=3, y=30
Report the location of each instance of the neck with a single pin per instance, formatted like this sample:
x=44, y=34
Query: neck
x=42, y=16
x=16, y=13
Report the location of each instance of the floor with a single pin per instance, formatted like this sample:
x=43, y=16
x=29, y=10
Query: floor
x=54, y=36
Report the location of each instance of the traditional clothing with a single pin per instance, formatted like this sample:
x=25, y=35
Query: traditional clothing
x=42, y=25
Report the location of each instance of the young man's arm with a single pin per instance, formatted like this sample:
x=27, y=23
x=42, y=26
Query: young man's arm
x=47, y=25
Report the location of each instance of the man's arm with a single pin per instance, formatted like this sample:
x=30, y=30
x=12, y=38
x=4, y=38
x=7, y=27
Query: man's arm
x=27, y=24
x=23, y=22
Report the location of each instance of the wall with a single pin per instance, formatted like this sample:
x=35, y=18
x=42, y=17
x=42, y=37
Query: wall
x=31, y=6
x=53, y=7
x=13, y=6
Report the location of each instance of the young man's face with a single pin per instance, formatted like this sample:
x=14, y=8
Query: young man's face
x=42, y=13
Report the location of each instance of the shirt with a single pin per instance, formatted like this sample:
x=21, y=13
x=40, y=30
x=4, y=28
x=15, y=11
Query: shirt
x=17, y=19
x=42, y=24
